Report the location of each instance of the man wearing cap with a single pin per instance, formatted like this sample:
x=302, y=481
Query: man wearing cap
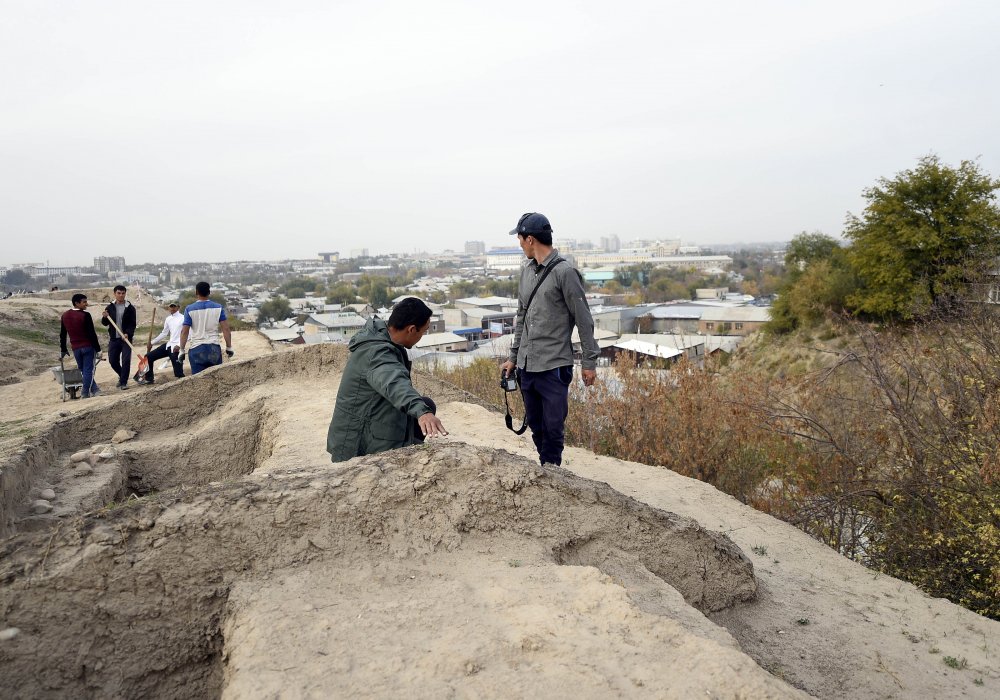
x=542, y=349
x=171, y=333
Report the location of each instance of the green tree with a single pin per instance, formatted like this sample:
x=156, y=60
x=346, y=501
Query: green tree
x=342, y=293
x=276, y=308
x=462, y=290
x=17, y=278
x=818, y=280
x=297, y=287
x=919, y=235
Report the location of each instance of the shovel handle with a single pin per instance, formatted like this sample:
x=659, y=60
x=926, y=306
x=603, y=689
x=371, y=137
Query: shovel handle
x=124, y=337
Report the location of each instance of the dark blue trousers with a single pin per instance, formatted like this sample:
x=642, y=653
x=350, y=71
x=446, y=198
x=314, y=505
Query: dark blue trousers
x=546, y=405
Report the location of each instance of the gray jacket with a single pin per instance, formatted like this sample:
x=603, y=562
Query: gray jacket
x=543, y=340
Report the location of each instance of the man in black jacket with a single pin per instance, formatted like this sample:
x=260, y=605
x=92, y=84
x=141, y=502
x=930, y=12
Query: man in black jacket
x=122, y=313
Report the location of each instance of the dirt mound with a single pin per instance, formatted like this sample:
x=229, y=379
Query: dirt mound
x=224, y=553
x=133, y=600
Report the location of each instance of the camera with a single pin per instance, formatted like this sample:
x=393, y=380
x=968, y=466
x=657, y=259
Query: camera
x=508, y=382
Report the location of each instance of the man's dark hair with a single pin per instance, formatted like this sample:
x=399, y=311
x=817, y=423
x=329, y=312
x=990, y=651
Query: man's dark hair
x=77, y=298
x=120, y=288
x=543, y=237
x=203, y=289
x=409, y=312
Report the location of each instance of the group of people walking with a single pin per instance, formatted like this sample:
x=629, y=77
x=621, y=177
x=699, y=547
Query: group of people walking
x=195, y=332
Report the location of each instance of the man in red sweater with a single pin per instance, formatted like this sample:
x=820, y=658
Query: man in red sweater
x=79, y=327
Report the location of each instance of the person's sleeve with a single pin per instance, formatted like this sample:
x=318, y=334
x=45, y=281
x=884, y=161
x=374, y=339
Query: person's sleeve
x=222, y=315
x=518, y=325
x=62, y=337
x=91, y=331
x=187, y=318
x=389, y=377
x=575, y=298
x=104, y=321
x=164, y=334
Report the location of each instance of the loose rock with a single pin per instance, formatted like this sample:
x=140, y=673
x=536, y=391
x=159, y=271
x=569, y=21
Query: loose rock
x=80, y=456
x=123, y=435
x=41, y=506
x=9, y=633
x=85, y=470
x=47, y=494
x=108, y=453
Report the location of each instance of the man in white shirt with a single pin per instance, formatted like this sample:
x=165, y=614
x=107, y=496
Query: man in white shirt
x=171, y=333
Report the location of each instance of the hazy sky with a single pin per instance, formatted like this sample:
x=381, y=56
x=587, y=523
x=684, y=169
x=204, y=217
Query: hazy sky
x=218, y=130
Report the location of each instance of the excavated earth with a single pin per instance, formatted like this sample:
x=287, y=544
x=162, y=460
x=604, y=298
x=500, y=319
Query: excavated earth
x=193, y=540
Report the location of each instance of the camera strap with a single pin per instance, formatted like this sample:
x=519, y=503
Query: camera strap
x=509, y=419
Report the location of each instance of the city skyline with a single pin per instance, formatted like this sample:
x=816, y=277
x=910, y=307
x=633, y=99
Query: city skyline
x=253, y=131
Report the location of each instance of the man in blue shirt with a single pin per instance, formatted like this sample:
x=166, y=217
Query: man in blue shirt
x=200, y=332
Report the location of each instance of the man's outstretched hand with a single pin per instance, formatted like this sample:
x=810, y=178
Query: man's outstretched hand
x=589, y=376
x=431, y=426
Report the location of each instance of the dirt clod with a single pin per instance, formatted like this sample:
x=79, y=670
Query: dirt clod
x=41, y=506
x=122, y=436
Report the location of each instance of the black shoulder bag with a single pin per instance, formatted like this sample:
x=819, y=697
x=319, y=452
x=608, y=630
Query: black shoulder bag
x=510, y=383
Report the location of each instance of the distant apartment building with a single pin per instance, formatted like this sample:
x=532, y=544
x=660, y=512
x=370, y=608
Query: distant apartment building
x=610, y=244
x=475, y=248
x=359, y=253
x=504, y=259
x=733, y=320
x=113, y=263
x=329, y=257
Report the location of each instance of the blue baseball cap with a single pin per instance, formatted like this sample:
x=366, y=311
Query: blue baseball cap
x=532, y=223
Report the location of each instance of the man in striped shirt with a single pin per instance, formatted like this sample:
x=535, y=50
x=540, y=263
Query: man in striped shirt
x=200, y=333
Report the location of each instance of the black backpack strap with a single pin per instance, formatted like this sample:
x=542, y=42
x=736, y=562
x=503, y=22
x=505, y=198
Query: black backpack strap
x=545, y=273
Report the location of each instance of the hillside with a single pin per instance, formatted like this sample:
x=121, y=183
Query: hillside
x=211, y=548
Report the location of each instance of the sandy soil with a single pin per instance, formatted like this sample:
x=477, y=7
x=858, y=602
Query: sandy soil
x=250, y=566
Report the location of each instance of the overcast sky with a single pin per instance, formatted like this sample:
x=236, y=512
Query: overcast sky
x=217, y=130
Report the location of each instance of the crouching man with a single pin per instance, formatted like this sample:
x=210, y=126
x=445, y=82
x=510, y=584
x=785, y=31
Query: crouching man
x=377, y=407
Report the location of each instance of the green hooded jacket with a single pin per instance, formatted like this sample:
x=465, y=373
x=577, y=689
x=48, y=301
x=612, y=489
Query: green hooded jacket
x=377, y=407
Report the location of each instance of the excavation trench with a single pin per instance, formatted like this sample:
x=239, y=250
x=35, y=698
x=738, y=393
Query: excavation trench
x=131, y=601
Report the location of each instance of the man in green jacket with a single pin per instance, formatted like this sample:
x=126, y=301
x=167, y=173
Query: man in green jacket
x=377, y=407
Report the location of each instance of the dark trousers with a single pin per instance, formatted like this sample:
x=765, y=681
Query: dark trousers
x=120, y=359
x=158, y=354
x=546, y=405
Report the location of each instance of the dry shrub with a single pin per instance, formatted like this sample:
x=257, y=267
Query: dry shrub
x=694, y=422
x=481, y=378
x=903, y=438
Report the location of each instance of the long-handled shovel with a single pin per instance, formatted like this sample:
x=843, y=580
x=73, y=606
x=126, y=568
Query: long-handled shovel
x=143, y=362
x=140, y=355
